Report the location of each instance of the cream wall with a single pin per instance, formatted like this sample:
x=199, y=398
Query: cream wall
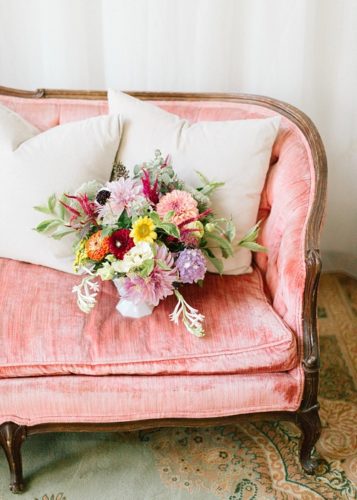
x=300, y=51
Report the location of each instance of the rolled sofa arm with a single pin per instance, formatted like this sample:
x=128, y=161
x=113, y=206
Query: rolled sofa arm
x=292, y=207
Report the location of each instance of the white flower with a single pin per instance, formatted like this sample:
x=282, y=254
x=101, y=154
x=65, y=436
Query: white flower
x=134, y=258
x=108, y=219
x=191, y=318
x=106, y=272
x=86, y=292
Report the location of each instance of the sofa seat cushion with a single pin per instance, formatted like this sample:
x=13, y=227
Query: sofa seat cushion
x=38, y=400
x=42, y=331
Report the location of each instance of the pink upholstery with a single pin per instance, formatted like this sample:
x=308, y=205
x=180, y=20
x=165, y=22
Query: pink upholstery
x=285, y=205
x=42, y=332
x=286, y=199
x=37, y=400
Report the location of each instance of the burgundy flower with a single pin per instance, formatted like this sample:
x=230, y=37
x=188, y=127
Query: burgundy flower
x=120, y=243
x=151, y=192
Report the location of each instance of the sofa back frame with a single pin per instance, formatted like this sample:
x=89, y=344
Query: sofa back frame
x=12, y=435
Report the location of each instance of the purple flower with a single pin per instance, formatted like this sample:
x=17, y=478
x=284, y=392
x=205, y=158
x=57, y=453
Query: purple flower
x=191, y=265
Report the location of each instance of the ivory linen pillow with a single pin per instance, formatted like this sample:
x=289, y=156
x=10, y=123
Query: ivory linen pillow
x=236, y=152
x=34, y=165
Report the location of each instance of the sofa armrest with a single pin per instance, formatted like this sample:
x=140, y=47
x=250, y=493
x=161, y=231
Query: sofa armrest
x=292, y=206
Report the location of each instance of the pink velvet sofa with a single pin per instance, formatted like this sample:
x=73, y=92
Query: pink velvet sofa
x=61, y=370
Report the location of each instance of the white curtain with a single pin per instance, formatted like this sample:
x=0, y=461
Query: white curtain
x=300, y=51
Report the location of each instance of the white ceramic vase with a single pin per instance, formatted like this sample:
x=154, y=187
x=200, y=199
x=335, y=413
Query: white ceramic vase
x=128, y=309
x=131, y=310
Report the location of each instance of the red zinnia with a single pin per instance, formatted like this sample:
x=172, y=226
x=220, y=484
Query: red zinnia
x=120, y=243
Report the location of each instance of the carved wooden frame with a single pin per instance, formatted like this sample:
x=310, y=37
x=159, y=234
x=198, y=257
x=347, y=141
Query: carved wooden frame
x=307, y=416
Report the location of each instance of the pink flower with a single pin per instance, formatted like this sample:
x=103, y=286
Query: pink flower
x=150, y=191
x=123, y=193
x=155, y=287
x=181, y=202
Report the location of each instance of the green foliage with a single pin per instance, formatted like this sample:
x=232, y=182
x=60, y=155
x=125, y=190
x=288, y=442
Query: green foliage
x=170, y=229
x=124, y=220
x=58, y=235
x=208, y=186
x=107, y=230
x=160, y=171
x=249, y=239
x=253, y=246
x=146, y=268
x=57, y=226
x=215, y=261
x=166, y=227
x=224, y=245
x=47, y=225
x=230, y=231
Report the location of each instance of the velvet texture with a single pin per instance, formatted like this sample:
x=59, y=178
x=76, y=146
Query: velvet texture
x=44, y=333
x=285, y=205
x=37, y=400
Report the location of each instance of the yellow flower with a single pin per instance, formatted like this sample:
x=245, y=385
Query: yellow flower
x=143, y=230
x=80, y=255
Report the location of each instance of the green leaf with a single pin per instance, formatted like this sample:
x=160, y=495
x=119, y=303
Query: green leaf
x=207, y=251
x=170, y=229
x=155, y=218
x=52, y=200
x=253, y=246
x=146, y=268
x=225, y=245
x=60, y=234
x=230, y=230
x=217, y=263
x=209, y=188
x=253, y=233
x=168, y=216
x=107, y=231
x=124, y=220
x=46, y=225
x=137, y=170
x=165, y=178
x=42, y=209
x=202, y=177
x=61, y=209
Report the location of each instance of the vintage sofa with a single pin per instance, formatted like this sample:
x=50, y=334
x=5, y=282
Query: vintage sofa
x=271, y=371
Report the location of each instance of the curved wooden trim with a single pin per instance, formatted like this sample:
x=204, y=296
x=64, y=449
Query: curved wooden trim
x=155, y=423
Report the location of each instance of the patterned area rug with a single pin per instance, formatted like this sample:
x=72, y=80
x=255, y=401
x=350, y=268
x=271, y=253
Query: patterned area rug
x=244, y=462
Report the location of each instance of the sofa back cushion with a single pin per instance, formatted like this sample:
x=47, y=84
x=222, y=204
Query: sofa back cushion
x=36, y=164
x=235, y=152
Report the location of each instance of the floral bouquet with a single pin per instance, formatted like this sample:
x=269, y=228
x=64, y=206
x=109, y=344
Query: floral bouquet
x=150, y=234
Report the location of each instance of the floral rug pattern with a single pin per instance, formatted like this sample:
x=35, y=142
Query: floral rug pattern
x=257, y=460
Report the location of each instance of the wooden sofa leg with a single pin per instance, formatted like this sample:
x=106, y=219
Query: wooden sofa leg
x=310, y=424
x=11, y=438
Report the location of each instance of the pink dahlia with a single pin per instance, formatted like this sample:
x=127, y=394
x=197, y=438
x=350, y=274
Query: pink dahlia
x=123, y=193
x=181, y=202
x=155, y=287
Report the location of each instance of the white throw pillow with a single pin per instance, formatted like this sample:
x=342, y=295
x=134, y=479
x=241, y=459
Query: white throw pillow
x=236, y=152
x=34, y=165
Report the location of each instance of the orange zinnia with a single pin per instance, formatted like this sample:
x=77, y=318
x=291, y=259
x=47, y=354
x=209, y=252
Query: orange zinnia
x=97, y=246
